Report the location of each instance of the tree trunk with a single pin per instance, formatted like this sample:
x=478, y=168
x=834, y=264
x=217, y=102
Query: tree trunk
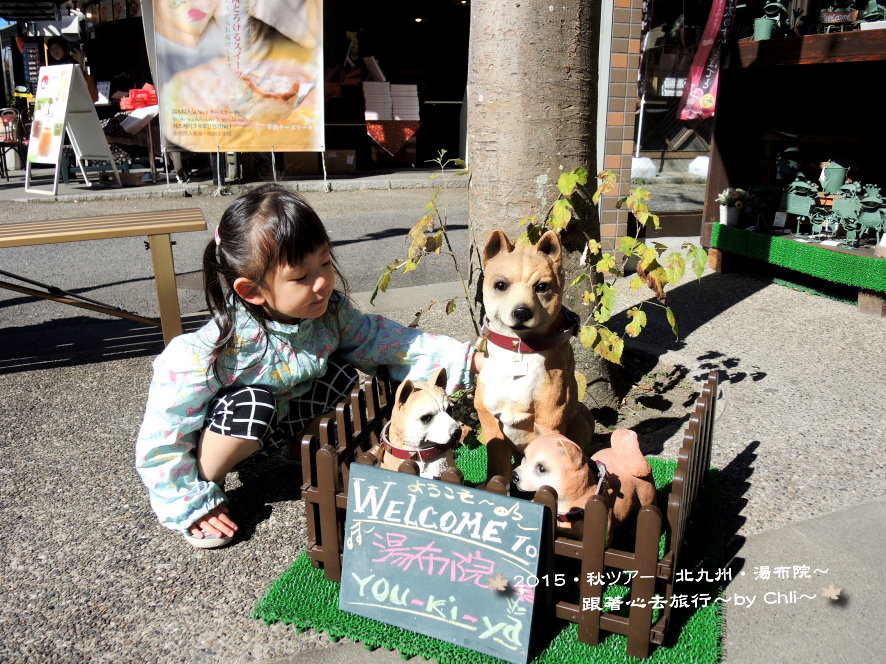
x=531, y=106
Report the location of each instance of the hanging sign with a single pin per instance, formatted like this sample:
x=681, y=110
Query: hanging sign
x=699, y=98
x=240, y=76
x=448, y=561
x=63, y=106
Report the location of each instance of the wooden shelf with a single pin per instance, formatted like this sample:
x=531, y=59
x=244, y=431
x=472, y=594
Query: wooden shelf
x=836, y=47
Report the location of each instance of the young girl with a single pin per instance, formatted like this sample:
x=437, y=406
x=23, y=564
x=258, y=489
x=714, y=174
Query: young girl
x=283, y=348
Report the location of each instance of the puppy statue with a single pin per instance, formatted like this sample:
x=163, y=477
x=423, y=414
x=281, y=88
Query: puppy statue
x=421, y=428
x=619, y=473
x=528, y=377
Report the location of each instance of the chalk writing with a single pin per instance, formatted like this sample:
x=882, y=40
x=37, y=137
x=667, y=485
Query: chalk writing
x=440, y=559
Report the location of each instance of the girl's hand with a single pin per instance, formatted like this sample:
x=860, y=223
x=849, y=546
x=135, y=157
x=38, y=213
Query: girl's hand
x=477, y=360
x=216, y=523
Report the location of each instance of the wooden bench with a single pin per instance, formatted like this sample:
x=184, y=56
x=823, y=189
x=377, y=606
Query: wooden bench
x=156, y=225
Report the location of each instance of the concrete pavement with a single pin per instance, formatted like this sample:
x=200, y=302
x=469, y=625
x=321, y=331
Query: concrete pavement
x=88, y=573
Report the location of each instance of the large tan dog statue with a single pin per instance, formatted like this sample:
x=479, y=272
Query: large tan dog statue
x=527, y=380
x=559, y=463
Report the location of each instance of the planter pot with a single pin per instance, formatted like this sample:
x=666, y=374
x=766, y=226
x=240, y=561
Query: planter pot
x=763, y=28
x=729, y=216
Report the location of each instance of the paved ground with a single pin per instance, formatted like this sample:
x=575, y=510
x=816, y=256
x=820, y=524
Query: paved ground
x=88, y=574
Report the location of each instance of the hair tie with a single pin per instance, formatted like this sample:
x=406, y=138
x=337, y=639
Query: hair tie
x=217, y=237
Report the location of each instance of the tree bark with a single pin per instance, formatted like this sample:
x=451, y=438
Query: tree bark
x=531, y=110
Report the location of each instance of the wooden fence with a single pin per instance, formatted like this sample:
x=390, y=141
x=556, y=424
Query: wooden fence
x=358, y=420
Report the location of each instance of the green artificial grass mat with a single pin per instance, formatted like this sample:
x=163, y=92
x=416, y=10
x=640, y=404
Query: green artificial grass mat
x=304, y=598
x=862, y=271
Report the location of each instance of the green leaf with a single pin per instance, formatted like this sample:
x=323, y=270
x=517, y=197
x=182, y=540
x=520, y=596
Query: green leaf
x=450, y=306
x=627, y=244
x=381, y=284
x=527, y=220
x=602, y=314
x=608, y=295
x=649, y=255
x=579, y=279
x=673, y=321
x=638, y=321
x=588, y=335
x=611, y=345
x=561, y=214
x=675, y=268
x=411, y=265
x=606, y=264
x=699, y=260
x=636, y=282
x=567, y=182
x=656, y=222
x=594, y=246
x=588, y=297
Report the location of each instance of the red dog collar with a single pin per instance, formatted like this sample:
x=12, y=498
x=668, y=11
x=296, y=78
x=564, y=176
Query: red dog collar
x=534, y=344
x=425, y=454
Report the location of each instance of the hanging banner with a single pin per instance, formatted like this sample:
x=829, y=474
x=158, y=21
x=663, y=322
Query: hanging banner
x=240, y=75
x=700, y=93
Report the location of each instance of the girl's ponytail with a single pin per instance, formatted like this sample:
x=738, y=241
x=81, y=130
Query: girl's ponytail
x=215, y=302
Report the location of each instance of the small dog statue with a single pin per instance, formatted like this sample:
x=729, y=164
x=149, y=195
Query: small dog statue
x=626, y=483
x=421, y=428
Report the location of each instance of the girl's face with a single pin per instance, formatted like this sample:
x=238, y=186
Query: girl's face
x=297, y=291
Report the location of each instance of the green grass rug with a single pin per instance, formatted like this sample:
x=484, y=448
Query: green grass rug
x=303, y=597
x=842, y=268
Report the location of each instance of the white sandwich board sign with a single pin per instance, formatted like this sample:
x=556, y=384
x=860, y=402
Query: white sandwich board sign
x=63, y=105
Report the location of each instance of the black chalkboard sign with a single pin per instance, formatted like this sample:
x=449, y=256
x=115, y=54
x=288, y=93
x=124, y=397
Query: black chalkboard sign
x=452, y=562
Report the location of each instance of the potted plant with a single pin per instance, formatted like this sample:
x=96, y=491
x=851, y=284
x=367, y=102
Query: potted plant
x=731, y=203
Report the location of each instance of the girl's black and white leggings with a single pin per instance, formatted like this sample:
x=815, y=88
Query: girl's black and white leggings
x=251, y=411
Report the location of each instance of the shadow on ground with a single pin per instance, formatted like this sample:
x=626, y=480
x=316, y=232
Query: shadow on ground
x=81, y=340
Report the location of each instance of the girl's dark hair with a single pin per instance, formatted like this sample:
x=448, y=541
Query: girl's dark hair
x=260, y=230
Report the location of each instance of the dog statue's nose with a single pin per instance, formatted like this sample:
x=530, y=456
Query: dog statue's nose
x=515, y=477
x=522, y=314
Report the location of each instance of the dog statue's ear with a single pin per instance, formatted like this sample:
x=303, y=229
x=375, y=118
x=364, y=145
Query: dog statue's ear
x=403, y=391
x=572, y=450
x=439, y=378
x=495, y=244
x=549, y=244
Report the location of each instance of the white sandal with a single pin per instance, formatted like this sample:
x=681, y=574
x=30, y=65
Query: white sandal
x=207, y=541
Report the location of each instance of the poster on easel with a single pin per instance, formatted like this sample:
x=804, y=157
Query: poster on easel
x=240, y=76
x=48, y=119
x=63, y=107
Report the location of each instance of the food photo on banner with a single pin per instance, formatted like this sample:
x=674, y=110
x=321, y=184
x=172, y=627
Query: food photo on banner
x=240, y=76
